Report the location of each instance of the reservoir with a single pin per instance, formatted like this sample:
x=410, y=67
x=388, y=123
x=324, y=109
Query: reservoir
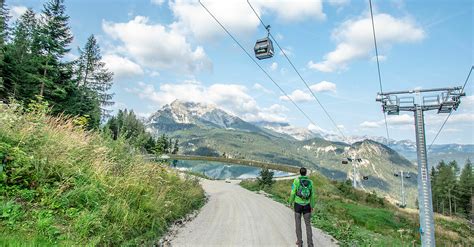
x=221, y=170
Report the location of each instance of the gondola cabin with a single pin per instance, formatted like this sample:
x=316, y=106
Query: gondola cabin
x=264, y=48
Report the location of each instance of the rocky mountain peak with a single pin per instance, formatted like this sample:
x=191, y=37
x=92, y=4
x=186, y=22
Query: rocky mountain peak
x=187, y=113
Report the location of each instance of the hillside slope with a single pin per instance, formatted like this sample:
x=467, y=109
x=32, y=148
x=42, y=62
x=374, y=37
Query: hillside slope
x=357, y=218
x=62, y=185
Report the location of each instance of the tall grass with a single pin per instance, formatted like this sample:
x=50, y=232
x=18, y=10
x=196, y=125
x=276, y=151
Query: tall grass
x=357, y=218
x=64, y=185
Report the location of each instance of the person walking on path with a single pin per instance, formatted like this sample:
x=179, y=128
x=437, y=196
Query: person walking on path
x=302, y=200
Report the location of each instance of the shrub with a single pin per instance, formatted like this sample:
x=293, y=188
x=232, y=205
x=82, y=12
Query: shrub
x=265, y=178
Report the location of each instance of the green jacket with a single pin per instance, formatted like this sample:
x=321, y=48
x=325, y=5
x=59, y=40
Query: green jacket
x=296, y=199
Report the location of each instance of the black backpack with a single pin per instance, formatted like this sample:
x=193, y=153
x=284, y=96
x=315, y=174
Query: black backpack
x=305, y=189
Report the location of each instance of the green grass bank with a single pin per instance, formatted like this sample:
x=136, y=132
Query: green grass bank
x=62, y=185
x=357, y=218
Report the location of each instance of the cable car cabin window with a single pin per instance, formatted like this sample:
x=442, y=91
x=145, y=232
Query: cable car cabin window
x=264, y=48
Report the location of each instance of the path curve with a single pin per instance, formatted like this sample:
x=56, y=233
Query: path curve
x=235, y=216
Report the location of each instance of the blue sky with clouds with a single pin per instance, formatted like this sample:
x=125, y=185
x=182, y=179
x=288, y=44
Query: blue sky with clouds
x=163, y=50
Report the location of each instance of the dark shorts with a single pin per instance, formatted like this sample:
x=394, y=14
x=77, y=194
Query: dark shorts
x=302, y=209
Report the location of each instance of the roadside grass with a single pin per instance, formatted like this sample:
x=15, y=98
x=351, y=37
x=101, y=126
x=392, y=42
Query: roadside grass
x=358, y=218
x=62, y=185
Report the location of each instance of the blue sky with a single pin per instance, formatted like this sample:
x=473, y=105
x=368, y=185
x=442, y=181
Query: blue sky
x=162, y=50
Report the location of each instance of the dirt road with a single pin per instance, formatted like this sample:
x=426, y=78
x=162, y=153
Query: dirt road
x=235, y=216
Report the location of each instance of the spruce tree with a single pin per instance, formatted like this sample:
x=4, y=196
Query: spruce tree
x=52, y=43
x=21, y=62
x=434, y=188
x=175, y=147
x=4, y=17
x=444, y=189
x=92, y=73
x=3, y=36
x=466, y=188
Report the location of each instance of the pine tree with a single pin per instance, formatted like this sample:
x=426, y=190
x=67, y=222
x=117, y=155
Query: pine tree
x=161, y=145
x=265, y=178
x=434, y=189
x=170, y=146
x=127, y=126
x=92, y=73
x=21, y=63
x=3, y=36
x=444, y=189
x=52, y=43
x=466, y=188
x=150, y=144
x=4, y=17
x=175, y=147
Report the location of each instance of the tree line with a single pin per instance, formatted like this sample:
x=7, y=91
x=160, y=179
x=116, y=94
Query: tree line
x=128, y=126
x=34, y=69
x=452, y=189
x=33, y=65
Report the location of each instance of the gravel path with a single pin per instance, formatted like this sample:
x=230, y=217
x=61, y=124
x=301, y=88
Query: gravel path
x=235, y=216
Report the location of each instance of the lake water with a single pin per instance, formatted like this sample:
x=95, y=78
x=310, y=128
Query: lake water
x=220, y=170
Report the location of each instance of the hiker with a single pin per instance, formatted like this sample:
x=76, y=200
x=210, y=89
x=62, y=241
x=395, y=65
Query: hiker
x=302, y=197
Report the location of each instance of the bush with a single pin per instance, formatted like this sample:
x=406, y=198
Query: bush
x=265, y=178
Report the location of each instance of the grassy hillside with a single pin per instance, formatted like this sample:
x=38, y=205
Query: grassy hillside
x=62, y=185
x=356, y=218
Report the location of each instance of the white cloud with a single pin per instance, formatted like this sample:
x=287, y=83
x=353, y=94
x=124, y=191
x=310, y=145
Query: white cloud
x=467, y=102
x=370, y=125
x=398, y=120
x=288, y=51
x=324, y=86
x=276, y=108
x=237, y=16
x=17, y=11
x=231, y=97
x=297, y=96
x=274, y=66
x=121, y=66
x=317, y=129
x=260, y=87
x=403, y=119
x=274, y=113
x=192, y=18
x=154, y=73
x=157, y=2
x=381, y=58
x=290, y=11
x=279, y=36
x=156, y=46
x=434, y=131
x=355, y=39
x=339, y=3
x=456, y=118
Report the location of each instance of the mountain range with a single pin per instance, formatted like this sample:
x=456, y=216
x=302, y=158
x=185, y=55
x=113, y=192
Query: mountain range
x=438, y=152
x=207, y=130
